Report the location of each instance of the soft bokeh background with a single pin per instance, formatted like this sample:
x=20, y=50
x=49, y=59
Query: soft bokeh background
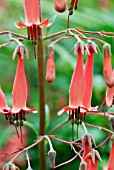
x=93, y=15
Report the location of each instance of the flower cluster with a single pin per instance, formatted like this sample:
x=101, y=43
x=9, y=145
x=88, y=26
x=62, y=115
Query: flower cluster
x=80, y=91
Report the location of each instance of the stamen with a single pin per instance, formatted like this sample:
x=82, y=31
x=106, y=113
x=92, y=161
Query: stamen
x=28, y=31
x=17, y=116
x=21, y=134
x=17, y=131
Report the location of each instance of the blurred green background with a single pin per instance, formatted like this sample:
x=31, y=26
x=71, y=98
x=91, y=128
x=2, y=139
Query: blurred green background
x=92, y=16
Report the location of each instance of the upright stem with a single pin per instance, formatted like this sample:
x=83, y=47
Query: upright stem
x=41, y=91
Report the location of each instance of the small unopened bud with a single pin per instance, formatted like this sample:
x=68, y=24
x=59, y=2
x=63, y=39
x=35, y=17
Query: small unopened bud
x=83, y=165
x=52, y=157
x=10, y=166
x=60, y=5
x=50, y=66
x=111, y=119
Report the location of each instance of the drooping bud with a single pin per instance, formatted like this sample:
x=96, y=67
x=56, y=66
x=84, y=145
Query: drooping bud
x=111, y=119
x=60, y=5
x=83, y=165
x=107, y=70
x=50, y=66
x=52, y=157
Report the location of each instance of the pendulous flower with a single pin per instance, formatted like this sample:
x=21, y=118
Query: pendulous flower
x=107, y=69
x=50, y=66
x=32, y=19
x=16, y=115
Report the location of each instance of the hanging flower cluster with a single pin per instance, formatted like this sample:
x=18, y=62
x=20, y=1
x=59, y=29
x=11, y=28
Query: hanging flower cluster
x=80, y=91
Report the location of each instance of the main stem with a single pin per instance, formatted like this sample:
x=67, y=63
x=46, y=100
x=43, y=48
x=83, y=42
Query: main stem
x=41, y=90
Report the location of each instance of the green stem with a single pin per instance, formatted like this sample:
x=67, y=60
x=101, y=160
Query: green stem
x=40, y=64
x=41, y=92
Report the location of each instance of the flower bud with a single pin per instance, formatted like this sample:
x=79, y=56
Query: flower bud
x=60, y=5
x=50, y=66
x=51, y=157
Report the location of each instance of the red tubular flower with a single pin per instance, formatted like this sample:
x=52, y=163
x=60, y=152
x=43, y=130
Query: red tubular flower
x=50, y=67
x=107, y=70
x=88, y=75
x=3, y=104
x=111, y=158
x=32, y=18
x=78, y=98
x=20, y=91
x=60, y=6
x=77, y=84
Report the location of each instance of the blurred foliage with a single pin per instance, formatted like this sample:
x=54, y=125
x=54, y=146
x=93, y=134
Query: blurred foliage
x=93, y=15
